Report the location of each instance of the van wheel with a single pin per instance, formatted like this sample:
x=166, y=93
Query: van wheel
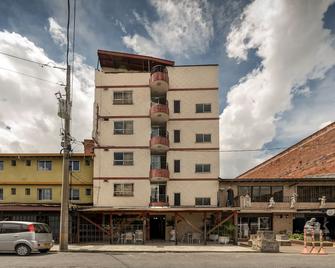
x=45, y=250
x=22, y=250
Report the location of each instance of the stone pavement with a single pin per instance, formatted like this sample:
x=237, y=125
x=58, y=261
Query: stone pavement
x=155, y=248
x=297, y=249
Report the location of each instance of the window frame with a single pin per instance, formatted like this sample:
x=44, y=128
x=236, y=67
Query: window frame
x=123, y=192
x=201, y=108
x=1, y=194
x=123, y=130
x=2, y=165
x=72, y=195
x=28, y=163
x=123, y=162
x=13, y=191
x=203, y=168
x=201, y=138
x=71, y=165
x=175, y=135
x=123, y=100
x=43, y=194
x=88, y=191
x=27, y=191
x=13, y=163
x=45, y=166
x=176, y=106
x=176, y=167
x=202, y=201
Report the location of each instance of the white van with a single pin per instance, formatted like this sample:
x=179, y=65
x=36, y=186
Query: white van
x=25, y=237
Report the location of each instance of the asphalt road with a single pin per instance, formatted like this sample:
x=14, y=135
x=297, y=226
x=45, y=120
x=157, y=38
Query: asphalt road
x=146, y=260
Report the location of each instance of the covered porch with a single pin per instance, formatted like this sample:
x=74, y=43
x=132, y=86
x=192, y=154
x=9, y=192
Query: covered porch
x=194, y=225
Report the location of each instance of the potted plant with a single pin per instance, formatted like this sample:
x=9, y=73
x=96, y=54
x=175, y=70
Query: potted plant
x=226, y=232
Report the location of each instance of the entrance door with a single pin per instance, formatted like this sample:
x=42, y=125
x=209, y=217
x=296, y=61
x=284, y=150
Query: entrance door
x=157, y=227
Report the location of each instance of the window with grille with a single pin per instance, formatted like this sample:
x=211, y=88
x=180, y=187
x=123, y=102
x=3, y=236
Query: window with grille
x=1, y=194
x=313, y=193
x=201, y=138
x=1, y=165
x=13, y=191
x=74, y=165
x=122, y=97
x=13, y=163
x=44, y=194
x=203, y=108
x=27, y=191
x=263, y=193
x=202, y=201
x=123, y=159
x=123, y=189
x=202, y=168
x=123, y=127
x=28, y=163
x=44, y=165
x=88, y=191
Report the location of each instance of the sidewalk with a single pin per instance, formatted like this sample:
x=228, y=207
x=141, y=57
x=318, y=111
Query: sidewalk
x=155, y=248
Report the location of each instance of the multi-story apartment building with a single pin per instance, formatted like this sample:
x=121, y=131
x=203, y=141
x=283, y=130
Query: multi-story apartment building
x=301, y=181
x=30, y=186
x=156, y=129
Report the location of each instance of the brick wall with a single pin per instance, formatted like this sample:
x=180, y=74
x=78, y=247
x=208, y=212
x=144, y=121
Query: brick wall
x=315, y=155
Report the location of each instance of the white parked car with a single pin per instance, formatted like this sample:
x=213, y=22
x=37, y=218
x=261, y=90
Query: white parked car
x=25, y=237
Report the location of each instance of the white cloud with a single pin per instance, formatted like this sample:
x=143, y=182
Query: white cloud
x=183, y=28
x=294, y=47
x=30, y=106
x=57, y=33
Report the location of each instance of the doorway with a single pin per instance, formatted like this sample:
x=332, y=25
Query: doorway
x=157, y=227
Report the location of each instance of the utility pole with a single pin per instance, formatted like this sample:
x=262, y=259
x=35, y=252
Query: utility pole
x=66, y=143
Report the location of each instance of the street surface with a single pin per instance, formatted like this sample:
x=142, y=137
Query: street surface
x=147, y=260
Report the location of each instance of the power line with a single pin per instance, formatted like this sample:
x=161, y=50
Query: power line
x=31, y=61
x=31, y=76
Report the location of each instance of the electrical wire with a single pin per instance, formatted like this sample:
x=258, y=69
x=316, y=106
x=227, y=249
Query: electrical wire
x=31, y=61
x=31, y=76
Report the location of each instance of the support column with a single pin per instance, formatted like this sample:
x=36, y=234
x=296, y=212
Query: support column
x=175, y=228
x=111, y=231
x=144, y=227
x=78, y=228
x=236, y=227
x=205, y=228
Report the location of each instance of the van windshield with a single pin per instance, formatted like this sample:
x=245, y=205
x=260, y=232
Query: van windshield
x=42, y=228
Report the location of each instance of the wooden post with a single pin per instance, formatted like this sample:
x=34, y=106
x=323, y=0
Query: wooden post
x=236, y=227
x=111, y=228
x=205, y=228
x=78, y=228
x=175, y=228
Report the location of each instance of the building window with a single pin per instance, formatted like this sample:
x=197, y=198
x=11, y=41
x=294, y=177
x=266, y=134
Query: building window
x=176, y=106
x=13, y=191
x=74, y=165
x=201, y=138
x=176, y=166
x=123, y=189
x=1, y=165
x=74, y=194
x=202, y=168
x=87, y=162
x=123, y=159
x=88, y=191
x=263, y=193
x=122, y=97
x=202, y=201
x=313, y=193
x=44, y=165
x=28, y=163
x=1, y=194
x=176, y=136
x=13, y=163
x=27, y=191
x=176, y=199
x=123, y=128
x=203, y=108
x=44, y=194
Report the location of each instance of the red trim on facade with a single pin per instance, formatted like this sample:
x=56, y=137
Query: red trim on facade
x=158, y=140
x=122, y=86
x=122, y=147
x=160, y=173
x=159, y=108
x=193, y=119
x=194, y=149
x=123, y=116
x=193, y=179
x=193, y=89
x=120, y=178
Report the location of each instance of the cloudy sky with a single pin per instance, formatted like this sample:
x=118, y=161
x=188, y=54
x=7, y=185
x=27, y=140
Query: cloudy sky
x=277, y=66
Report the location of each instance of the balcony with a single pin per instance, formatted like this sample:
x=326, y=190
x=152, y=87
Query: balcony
x=159, y=113
x=159, y=143
x=160, y=200
x=159, y=80
x=159, y=174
